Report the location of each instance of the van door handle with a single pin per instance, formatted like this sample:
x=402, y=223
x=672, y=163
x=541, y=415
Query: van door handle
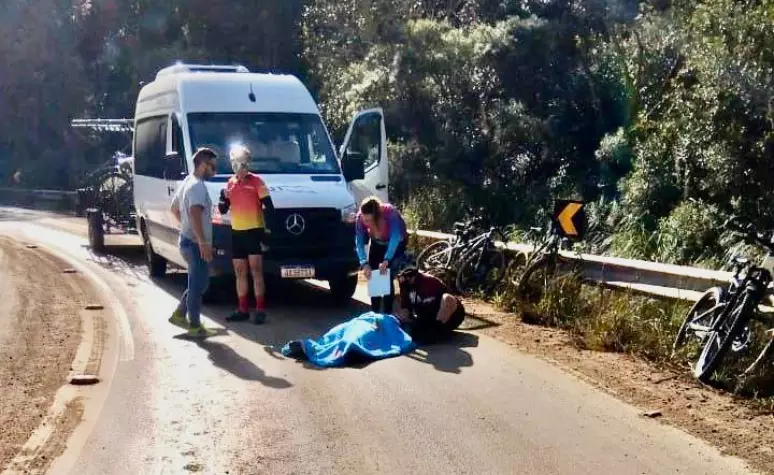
x=170, y=190
x=380, y=186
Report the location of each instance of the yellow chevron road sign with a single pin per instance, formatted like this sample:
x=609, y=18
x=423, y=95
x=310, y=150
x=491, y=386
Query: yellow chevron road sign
x=570, y=219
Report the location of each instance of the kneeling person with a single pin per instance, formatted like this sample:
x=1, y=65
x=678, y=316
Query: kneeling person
x=245, y=195
x=433, y=312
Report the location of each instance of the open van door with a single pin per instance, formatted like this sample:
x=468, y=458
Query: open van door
x=363, y=156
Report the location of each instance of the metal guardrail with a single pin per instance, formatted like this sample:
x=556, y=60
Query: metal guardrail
x=649, y=278
x=645, y=277
x=53, y=199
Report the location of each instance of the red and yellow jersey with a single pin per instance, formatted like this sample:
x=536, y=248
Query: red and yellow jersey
x=245, y=197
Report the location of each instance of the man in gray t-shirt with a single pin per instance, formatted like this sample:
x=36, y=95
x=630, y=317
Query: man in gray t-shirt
x=192, y=207
x=193, y=192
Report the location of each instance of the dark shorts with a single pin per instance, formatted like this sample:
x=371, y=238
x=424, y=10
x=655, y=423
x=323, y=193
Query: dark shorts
x=246, y=243
x=428, y=330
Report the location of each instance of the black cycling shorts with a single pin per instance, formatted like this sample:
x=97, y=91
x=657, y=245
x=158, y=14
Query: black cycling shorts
x=246, y=243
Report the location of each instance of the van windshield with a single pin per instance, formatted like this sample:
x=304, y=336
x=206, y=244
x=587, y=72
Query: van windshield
x=278, y=142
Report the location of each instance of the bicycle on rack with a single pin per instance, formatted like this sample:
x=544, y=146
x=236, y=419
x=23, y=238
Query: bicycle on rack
x=544, y=264
x=719, y=320
x=473, y=258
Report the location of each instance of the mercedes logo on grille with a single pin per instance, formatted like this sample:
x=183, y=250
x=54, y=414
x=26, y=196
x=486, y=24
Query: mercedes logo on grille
x=295, y=224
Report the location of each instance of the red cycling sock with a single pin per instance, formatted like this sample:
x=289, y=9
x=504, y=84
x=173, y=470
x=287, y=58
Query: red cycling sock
x=260, y=302
x=244, y=306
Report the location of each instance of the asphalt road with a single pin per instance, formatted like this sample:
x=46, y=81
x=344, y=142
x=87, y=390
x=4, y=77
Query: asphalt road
x=231, y=405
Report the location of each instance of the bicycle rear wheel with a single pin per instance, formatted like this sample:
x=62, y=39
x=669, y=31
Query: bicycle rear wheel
x=534, y=280
x=718, y=342
x=481, y=271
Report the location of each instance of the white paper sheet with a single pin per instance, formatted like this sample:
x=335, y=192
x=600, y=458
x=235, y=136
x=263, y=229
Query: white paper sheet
x=379, y=285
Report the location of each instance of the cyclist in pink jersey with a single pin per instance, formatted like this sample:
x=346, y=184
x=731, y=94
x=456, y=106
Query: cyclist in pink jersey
x=383, y=225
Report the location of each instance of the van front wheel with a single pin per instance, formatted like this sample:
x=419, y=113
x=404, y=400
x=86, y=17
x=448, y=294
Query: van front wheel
x=157, y=265
x=343, y=288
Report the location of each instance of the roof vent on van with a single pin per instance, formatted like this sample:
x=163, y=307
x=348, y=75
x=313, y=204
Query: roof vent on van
x=180, y=68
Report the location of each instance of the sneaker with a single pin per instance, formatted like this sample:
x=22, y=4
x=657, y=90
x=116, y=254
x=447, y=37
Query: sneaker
x=238, y=316
x=259, y=317
x=179, y=320
x=200, y=332
x=296, y=350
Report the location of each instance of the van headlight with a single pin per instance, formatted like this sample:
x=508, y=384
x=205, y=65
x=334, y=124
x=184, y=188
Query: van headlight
x=349, y=214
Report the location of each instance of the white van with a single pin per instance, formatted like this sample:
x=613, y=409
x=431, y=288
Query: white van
x=314, y=191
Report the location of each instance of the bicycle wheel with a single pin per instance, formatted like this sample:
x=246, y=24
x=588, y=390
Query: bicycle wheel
x=481, y=271
x=435, y=257
x=718, y=342
x=534, y=280
x=516, y=267
x=699, y=318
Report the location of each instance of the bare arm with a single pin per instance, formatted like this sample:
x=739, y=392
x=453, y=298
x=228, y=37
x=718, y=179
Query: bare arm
x=175, y=207
x=449, y=305
x=175, y=211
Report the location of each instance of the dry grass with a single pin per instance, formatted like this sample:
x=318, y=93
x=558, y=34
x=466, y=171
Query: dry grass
x=601, y=319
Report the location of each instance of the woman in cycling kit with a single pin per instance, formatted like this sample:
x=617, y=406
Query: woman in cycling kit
x=383, y=225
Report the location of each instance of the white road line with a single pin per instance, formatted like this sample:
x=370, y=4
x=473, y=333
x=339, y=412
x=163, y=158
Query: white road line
x=49, y=237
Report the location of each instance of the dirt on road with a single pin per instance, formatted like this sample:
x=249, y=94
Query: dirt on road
x=40, y=325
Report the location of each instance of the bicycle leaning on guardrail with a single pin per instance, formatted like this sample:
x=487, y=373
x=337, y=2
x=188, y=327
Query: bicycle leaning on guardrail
x=474, y=259
x=544, y=264
x=719, y=320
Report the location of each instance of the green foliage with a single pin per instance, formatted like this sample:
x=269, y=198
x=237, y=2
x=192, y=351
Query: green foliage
x=84, y=58
x=689, y=234
x=636, y=107
x=432, y=209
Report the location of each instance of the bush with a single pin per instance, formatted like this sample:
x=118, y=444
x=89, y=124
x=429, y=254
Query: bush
x=689, y=234
x=432, y=209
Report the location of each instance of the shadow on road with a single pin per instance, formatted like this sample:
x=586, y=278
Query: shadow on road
x=126, y=261
x=449, y=356
x=297, y=310
x=224, y=357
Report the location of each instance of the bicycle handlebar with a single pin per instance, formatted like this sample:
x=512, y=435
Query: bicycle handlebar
x=750, y=233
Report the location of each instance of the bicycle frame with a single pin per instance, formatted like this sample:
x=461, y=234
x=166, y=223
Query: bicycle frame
x=458, y=245
x=483, y=240
x=549, y=245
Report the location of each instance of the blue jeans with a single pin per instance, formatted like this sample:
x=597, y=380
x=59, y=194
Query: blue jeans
x=198, y=280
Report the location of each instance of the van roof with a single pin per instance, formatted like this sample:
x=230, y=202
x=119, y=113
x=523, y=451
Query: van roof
x=223, y=91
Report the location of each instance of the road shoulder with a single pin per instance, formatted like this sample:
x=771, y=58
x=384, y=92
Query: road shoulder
x=736, y=426
x=48, y=337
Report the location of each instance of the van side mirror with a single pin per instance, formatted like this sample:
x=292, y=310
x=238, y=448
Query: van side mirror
x=173, y=166
x=353, y=166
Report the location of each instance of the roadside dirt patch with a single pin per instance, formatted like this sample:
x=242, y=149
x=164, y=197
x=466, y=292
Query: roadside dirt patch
x=732, y=424
x=40, y=309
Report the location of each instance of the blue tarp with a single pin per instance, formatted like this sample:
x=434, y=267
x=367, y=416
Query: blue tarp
x=371, y=336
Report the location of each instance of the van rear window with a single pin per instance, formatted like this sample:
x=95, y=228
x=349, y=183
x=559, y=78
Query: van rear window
x=278, y=142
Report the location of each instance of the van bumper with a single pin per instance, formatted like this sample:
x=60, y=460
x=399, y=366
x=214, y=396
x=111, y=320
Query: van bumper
x=339, y=261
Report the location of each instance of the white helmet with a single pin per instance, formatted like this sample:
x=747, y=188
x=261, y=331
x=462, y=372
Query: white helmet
x=239, y=155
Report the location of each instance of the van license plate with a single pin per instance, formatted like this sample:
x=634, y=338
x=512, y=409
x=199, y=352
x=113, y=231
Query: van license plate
x=297, y=272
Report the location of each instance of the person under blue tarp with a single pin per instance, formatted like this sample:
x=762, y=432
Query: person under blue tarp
x=371, y=336
x=430, y=314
